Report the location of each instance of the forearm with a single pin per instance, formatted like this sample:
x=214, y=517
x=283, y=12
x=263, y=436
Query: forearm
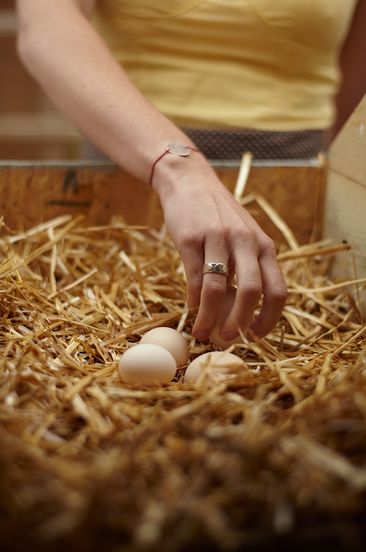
x=73, y=65
x=61, y=49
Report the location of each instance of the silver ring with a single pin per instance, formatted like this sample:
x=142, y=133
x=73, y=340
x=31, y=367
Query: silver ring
x=215, y=268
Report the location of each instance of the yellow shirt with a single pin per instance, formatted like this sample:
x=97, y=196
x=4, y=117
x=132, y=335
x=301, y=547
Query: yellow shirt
x=262, y=64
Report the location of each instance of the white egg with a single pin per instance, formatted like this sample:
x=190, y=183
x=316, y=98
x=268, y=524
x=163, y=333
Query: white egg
x=171, y=340
x=147, y=364
x=225, y=309
x=213, y=363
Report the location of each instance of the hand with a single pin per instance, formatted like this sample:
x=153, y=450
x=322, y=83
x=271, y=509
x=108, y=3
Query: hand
x=208, y=225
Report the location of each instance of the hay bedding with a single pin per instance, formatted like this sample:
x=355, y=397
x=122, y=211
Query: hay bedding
x=93, y=464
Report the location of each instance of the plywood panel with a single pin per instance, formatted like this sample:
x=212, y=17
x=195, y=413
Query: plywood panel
x=298, y=196
x=29, y=195
x=345, y=205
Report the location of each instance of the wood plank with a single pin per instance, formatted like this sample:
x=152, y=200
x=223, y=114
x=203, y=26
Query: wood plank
x=345, y=220
x=30, y=195
x=345, y=203
x=297, y=193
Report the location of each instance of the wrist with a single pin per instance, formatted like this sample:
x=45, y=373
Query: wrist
x=172, y=168
x=178, y=150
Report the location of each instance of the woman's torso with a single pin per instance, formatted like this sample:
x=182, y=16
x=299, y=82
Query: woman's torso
x=263, y=64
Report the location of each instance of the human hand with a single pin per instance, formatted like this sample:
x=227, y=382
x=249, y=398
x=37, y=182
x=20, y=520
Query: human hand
x=208, y=225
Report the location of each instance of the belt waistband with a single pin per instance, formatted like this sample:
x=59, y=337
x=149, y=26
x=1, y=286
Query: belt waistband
x=231, y=144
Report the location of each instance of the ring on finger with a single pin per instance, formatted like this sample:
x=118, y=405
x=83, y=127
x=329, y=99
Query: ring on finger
x=215, y=268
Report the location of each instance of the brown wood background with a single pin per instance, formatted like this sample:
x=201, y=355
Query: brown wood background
x=30, y=128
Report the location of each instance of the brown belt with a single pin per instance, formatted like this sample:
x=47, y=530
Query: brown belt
x=231, y=144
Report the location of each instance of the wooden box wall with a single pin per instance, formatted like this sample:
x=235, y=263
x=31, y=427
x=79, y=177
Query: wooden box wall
x=32, y=193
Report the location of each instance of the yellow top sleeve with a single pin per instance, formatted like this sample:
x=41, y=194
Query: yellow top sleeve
x=258, y=64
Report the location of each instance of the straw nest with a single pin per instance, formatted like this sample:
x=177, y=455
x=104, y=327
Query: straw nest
x=90, y=463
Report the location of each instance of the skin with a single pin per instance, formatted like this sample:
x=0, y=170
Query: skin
x=60, y=48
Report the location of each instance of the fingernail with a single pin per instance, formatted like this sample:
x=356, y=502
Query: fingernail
x=229, y=336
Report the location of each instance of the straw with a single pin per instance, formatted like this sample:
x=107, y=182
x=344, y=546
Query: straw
x=88, y=461
x=241, y=182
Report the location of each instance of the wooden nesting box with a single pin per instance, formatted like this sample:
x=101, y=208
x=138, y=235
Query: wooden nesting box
x=313, y=201
x=31, y=193
x=274, y=458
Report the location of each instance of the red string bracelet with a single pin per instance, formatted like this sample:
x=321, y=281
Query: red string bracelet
x=176, y=149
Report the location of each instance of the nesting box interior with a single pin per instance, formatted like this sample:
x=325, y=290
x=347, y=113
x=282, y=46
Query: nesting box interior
x=270, y=456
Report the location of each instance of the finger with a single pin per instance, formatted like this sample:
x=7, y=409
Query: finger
x=274, y=291
x=213, y=290
x=249, y=283
x=192, y=257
